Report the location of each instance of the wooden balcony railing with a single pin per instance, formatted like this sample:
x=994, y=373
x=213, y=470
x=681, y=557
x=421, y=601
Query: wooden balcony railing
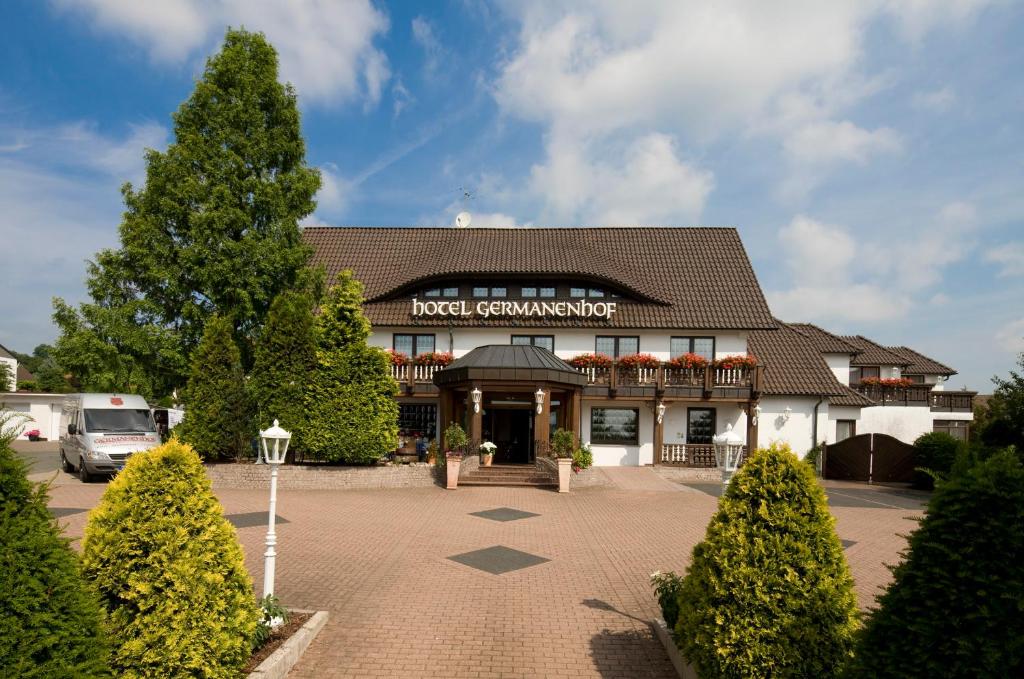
x=920, y=395
x=411, y=375
x=707, y=377
x=690, y=454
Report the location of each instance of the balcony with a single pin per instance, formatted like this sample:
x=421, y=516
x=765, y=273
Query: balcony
x=702, y=382
x=415, y=377
x=690, y=455
x=919, y=395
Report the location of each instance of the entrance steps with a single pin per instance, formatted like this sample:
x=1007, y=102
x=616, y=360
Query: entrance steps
x=507, y=475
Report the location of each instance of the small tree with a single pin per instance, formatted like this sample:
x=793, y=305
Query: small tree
x=49, y=616
x=6, y=378
x=285, y=359
x=1003, y=423
x=934, y=455
x=217, y=417
x=954, y=608
x=170, y=571
x=768, y=592
x=351, y=413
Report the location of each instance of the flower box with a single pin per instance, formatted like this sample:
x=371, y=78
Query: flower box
x=440, y=358
x=688, y=361
x=735, y=362
x=590, y=361
x=639, y=361
x=397, y=357
x=887, y=381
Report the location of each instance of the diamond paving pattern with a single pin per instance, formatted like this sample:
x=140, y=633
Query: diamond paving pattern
x=503, y=514
x=498, y=559
x=250, y=519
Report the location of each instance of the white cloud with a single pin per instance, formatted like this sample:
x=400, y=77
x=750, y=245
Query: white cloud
x=332, y=198
x=1011, y=336
x=434, y=53
x=401, y=97
x=325, y=46
x=649, y=183
x=939, y=100
x=1009, y=257
x=825, y=142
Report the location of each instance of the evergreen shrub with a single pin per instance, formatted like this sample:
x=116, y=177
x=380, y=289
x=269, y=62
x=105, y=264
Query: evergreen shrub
x=955, y=607
x=49, y=617
x=169, y=570
x=934, y=454
x=217, y=417
x=768, y=592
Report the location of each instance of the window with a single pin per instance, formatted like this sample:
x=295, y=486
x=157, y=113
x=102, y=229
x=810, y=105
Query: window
x=413, y=345
x=595, y=292
x=700, y=425
x=614, y=425
x=416, y=419
x=577, y=292
x=451, y=292
x=702, y=346
x=543, y=341
x=498, y=292
x=617, y=346
x=858, y=374
x=119, y=421
x=433, y=292
x=547, y=292
x=529, y=292
x=916, y=379
x=845, y=429
x=479, y=292
x=958, y=429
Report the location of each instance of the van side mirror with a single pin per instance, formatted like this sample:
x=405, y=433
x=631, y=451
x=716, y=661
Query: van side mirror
x=72, y=429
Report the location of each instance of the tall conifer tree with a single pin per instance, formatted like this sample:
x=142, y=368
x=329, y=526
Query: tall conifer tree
x=214, y=230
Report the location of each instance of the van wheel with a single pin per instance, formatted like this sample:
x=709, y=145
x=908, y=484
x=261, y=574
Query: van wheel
x=83, y=473
x=65, y=466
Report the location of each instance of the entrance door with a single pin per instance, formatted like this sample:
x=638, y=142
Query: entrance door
x=512, y=431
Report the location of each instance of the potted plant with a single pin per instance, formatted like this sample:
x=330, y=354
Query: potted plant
x=432, y=452
x=32, y=435
x=487, y=453
x=563, y=445
x=455, y=441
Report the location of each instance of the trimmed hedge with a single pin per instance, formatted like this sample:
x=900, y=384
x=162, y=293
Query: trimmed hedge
x=955, y=607
x=768, y=592
x=935, y=451
x=170, y=571
x=49, y=617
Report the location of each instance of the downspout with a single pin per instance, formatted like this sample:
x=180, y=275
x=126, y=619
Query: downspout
x=814, y=432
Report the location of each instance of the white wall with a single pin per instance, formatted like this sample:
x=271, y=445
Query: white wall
x=798, y=430
x=12, y=371
x=569, y=342
x=42, y=409
x=606, y=455
x=903, y=422
x=839, y=364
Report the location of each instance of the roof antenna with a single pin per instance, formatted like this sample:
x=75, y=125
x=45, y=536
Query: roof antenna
x=462, y=220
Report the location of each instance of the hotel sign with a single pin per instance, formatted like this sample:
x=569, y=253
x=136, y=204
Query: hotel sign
x=460, y=308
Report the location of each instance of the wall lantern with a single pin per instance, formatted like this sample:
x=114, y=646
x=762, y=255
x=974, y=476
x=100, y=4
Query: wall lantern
x=275, y=445
x=728, y=453
x=538, y=397
x=757, y=414
x=786, y=413
x=660, y=411
x=476, y=395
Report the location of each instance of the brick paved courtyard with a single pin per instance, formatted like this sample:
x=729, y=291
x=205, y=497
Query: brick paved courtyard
x=379, y=561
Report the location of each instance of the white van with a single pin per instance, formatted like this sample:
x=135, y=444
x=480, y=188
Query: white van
x=98, y=432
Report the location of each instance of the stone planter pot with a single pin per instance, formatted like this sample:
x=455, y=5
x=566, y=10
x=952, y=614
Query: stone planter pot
x=453, y=462
x=564, y=473
x=486, y=459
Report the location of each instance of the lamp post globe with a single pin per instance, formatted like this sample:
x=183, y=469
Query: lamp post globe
x=274, y=442
x=728, y=452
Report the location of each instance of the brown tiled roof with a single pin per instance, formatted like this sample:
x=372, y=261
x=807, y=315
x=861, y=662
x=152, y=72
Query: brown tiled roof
x=686, y=278
x=793, y=365
x=825, y=341
x=851, y=397
x=872, y=353
x=919, y=364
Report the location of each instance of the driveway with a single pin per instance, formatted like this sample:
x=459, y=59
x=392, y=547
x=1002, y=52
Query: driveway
x=489, y=582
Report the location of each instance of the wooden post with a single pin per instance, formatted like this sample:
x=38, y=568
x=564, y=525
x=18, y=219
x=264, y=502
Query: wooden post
x=410, y=377
x=659, y=382
x=709, y=382
x=613, y=378
x=751, y=429
x=576, y=413
x=659, y=436
x=444, y=416
x=542, y=421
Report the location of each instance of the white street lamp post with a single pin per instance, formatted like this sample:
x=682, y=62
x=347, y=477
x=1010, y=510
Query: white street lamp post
x=275, y=444
x=728, y=452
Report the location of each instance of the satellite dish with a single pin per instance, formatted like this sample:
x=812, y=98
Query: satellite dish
x=462, y=220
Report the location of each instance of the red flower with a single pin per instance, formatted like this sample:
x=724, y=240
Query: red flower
x=736, y=361
x=639, y=361
x=688, y=360
x=441, y=358
x=397, y=357
x=590, y=361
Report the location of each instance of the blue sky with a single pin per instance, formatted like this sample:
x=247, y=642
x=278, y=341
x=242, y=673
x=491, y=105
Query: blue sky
x=871, y=153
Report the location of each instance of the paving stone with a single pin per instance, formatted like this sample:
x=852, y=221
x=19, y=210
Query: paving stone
x=503, y=514
x=250, y=519
x=66, y=511
x=498, y=559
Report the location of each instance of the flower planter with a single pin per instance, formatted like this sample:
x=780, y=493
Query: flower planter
x=486, y=459
x=453, y=462
x=564, y=472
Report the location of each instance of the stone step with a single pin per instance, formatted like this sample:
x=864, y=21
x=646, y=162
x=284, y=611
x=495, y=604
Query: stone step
x=538, y=482
x=505, y=472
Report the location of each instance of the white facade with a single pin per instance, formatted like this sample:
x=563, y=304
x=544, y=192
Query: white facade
x=41, y=411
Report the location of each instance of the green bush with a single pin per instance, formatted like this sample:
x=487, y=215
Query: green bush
x=49, y=617
x=217, y=418
x=455, y=437
x=666, y=588
x=934, y=455
x=582, y=457
x=563, y=443
x=169, y=569
x=955, y=607
x=351, y=412
x=768, y=592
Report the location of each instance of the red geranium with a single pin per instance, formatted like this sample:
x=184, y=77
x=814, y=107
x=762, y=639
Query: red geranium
x=397, y=357
x=639, y=361
x=735, y=361
x=441, y=358
x=590, y=361
x=688, y=360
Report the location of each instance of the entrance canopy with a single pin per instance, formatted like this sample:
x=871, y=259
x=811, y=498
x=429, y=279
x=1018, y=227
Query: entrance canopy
x=509, y=363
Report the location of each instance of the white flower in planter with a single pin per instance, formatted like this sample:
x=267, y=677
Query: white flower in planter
x=488, y=448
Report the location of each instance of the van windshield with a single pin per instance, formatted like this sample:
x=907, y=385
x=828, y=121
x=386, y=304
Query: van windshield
x=120, y=421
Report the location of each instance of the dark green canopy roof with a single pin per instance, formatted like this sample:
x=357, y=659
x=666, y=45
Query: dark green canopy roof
x=509, y=362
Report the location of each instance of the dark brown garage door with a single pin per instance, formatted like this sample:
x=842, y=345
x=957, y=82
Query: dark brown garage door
x=870, y=457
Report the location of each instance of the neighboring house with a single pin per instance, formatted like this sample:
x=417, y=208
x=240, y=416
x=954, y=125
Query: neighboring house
x=513, y=306
x=9, y=363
